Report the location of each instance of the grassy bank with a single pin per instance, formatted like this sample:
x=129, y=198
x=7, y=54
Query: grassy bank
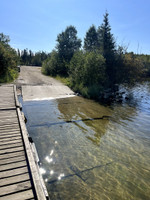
x=64, y=80
x=87, y=92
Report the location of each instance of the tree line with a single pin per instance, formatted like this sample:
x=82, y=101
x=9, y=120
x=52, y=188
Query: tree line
x=10, y=59
x=98, y=65
x=146, y=62
x=28, y=57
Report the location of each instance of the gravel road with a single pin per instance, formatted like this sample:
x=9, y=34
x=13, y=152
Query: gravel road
x=36, y=86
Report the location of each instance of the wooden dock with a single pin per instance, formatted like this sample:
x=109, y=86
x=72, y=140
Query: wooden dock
x=19, y=173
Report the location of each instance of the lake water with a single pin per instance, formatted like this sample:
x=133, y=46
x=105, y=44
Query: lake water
x=85, y=156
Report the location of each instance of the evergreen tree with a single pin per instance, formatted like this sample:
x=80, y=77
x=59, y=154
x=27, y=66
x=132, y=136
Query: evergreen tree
x=43, y=56
x=91, y=39
x=18, y=53
x=106, y=38
x=30, y=57
x=107, y=45
x=24, y=57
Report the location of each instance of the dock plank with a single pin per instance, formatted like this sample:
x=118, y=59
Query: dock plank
x=7, y=126
x=13, y=165
x=11, y=142
x=9, y=135
x=10, y=139
x=3, y=123
x=12, y=160
x=10, y=150
x=10, y=146
x=13, y=172
x=16, y=179
x=6, y=118
x=28, y=194
x=11, y=155
x=15, y=188
x=9, y=130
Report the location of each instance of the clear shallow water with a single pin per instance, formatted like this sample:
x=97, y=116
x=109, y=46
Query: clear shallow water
x=93, y=159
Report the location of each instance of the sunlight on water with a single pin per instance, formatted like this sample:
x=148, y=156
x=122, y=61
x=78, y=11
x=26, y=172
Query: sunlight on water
x=87, y=156
x=42, y=170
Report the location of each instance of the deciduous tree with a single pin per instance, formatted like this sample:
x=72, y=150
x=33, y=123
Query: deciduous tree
x=8, y=60
x=68, y=43
x=91, y=39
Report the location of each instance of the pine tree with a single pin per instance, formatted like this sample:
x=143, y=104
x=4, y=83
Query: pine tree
x=107, y=45
x=18, y=53
x=30, y=57
x=24, y=57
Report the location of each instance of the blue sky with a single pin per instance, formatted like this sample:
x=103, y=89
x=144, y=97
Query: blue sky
x=35, y=24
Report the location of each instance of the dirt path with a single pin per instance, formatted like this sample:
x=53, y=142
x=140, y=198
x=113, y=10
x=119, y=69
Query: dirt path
x=36, y=86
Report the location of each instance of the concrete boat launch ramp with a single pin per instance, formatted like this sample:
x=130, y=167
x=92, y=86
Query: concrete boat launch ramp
x=36, y=86
x=45, y=92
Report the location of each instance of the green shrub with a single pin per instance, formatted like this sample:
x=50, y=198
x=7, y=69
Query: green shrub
x=8, y=63
x=54, y=66
x=132, y=69
x=87, y=73
x=50, y=65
